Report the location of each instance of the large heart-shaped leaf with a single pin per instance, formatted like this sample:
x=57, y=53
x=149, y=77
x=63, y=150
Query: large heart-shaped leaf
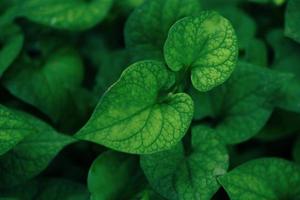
x=140, y=113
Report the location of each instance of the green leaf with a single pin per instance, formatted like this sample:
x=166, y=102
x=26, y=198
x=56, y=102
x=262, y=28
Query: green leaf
x=147, y=27
x=256, y=53
x=263, y=179
x=136, y=116
x=282, y=46
x=242, y=23
x=75, y=15
x=11, y=42
x=48, y=85
x=206, y=45
x=32, y=155
x=292, y=20
x=296, y=150
x=111, y=175
x=188, y=174
x=245, y=102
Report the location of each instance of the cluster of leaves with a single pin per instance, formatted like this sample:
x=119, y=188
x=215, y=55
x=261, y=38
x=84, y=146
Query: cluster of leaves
x=198, y=99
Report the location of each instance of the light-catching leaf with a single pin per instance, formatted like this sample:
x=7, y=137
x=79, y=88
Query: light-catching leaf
x=242, y=23
x=111, y=176
x=147, y=28
x=68, y=14
x=263, y=179
x=206, y=45
x=50, y=86
x=245, y=102
x=180, y=174
x=32, y=155
x=138, y=114
x=11, y=42
x=292, y=20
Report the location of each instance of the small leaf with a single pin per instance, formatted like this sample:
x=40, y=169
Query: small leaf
x=179, y=174
x=49, y=86
x=292, y=20
x=245, y=102
x=32, y=155
x=135, y=116
x=147, y=27
x=111, y=175
x=68, y=14
x=11, y=42
x=263, y=179
x=206, y=45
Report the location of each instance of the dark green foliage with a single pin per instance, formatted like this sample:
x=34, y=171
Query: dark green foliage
x=149, y=99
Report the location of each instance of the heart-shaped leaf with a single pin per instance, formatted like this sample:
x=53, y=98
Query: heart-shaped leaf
x=140, y=113
x=180, y=174
x=206, y=45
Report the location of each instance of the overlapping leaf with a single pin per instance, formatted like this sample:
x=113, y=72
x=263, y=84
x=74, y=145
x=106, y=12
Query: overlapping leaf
x=206, y=45
x=180, y=174
x=112, y=176
x=139, y=113
x=147, y=28
x=263, y=179
x=244, y=103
